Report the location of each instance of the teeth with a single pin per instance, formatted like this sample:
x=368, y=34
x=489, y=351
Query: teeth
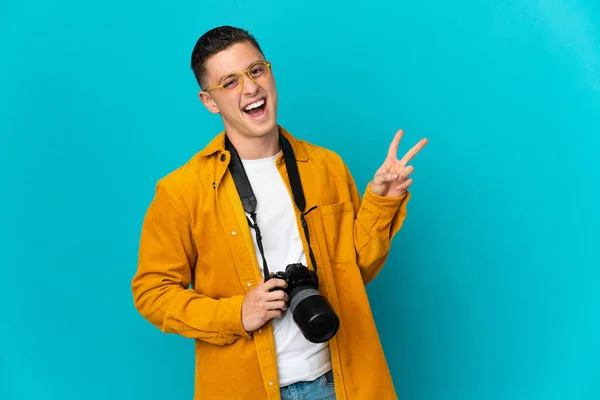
x=254, y=105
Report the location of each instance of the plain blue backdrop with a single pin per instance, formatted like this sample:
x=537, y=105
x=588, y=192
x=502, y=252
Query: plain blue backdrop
x=492, y=289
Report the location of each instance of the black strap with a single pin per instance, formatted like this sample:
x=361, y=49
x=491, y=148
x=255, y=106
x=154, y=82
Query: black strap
x=297, y=191
x=249, y=200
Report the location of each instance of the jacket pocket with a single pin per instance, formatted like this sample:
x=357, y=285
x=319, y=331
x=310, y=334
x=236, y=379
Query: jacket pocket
x=338, y=222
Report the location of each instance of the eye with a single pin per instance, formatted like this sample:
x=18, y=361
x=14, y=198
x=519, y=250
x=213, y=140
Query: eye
x=230, y=82
x=257, y=70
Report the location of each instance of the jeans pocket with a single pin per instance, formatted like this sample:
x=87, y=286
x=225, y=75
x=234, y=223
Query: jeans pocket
x=327, y=379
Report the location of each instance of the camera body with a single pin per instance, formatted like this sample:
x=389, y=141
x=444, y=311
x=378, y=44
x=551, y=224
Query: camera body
x=297, y=275
x=313, y=314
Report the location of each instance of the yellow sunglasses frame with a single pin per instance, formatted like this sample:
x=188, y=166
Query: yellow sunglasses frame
x=241, y=75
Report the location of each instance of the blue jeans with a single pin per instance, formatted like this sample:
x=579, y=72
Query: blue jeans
x=321, y=388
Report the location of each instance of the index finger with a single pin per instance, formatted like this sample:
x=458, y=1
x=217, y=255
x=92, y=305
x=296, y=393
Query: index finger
x=275, y=283
x=413, y=152
x=393, y=150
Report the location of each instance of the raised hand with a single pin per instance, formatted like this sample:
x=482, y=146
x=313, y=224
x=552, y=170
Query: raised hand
x=393, y=177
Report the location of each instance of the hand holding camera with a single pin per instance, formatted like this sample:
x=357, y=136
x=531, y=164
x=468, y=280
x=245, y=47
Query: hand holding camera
x=264, y=303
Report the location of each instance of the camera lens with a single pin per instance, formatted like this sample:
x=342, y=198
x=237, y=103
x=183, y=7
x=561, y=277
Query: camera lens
x=313, y=314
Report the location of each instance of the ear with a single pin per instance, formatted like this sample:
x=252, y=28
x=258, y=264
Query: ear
x=208, y=102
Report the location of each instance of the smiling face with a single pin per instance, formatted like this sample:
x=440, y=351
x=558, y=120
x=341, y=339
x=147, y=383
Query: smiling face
x=249, y=109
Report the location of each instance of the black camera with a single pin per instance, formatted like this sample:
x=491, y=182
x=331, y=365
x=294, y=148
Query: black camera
x=311, y=311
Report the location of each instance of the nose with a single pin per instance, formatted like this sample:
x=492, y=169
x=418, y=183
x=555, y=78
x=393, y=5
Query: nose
x=250, y=87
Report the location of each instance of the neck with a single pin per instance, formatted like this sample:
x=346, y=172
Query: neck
x=254, y=148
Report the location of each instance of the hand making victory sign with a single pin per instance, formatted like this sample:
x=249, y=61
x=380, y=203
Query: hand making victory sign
x=393, y=177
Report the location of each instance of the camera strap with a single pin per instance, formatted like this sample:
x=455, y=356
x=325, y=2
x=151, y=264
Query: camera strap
x=248, y=199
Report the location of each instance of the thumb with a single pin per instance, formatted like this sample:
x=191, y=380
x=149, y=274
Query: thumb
x=384, y=178
x=382, y=170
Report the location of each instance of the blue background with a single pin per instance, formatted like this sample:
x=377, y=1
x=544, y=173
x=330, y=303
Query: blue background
x=492, y=290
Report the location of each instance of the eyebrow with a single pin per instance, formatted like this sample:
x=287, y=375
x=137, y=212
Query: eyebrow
x=230, y=73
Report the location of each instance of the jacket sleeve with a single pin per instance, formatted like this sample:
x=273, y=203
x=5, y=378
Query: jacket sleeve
x=378, y=219
x=161, y=284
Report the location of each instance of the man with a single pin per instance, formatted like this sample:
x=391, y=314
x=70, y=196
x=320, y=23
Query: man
x=202, y=265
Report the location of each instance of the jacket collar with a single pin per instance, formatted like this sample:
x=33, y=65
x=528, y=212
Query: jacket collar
x=217, y=145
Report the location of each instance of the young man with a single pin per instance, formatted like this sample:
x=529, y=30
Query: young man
x=202, y=263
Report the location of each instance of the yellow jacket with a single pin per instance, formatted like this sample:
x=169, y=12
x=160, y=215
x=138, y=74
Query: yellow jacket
x=197, y=261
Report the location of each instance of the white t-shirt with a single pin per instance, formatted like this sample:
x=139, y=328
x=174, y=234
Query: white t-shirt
x=298, y=359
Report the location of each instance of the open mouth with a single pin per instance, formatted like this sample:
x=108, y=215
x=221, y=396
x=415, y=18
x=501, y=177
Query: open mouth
x=256, y=109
